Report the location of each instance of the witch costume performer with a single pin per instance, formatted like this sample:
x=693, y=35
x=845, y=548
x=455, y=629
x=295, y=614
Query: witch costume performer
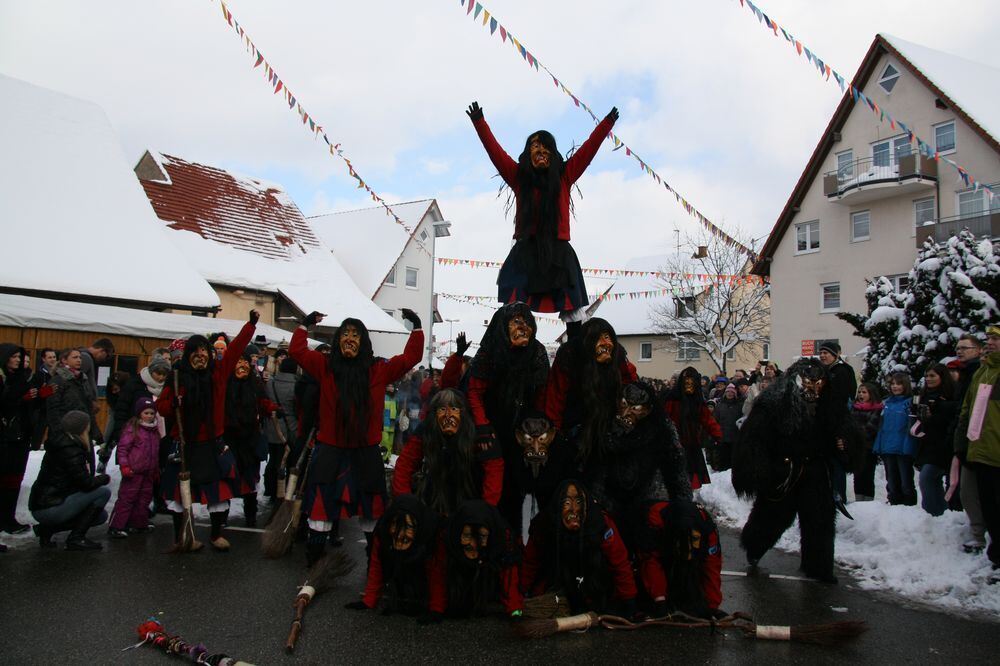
x=542, y=269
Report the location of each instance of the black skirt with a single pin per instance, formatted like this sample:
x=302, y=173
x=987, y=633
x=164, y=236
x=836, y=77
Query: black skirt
x=556, y=286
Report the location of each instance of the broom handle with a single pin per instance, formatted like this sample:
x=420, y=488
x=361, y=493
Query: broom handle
x=293, y=635
x=179, y=415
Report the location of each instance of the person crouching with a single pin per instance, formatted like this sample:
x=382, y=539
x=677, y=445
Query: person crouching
x=138, y=460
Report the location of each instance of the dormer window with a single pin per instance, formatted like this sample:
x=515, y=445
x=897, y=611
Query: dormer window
x=889, y=78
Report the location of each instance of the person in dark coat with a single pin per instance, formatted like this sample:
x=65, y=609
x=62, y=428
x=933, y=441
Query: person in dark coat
x=73, y=393
x=282, y=430
x=147, y=384
x=728, y=410
x=934, y=430
x=695, y=424
x=68, y=495
x=867, y=414
x=48, y=361
x=99, y=353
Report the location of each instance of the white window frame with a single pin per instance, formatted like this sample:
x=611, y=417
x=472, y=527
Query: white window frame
x=984, y=198
x=390, y=279
x=845, y=171
x=954, y=132
x=916, y=217
x=822, y=297
x=897, y=282
x=809, y=235
x=416, y=278
x=731, y=354
x=885, y=78
x=643, y=346
x=868, y=236
x=423, y=235
x=687, y=350
x=888, y=143
x=391, y=313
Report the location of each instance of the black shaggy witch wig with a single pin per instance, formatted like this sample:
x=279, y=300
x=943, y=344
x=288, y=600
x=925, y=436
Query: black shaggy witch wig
x=448, y=460
x=352, y=377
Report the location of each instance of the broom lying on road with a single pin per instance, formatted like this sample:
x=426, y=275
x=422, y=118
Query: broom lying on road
x=284, y=523
x=152, y=632
x=321, y=577
x=833, y=633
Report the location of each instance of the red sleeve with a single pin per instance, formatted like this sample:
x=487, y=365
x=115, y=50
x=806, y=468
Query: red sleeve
x=235, y=350
x=581, y=159
x=373, y=586
x=477, y=400
x=711, y=572
x=651, y=572
x=510, y=590
x=555, y=395
x=492, y=480
x=406, y=465
x=266, y=407
x=506, y=166
x=311, y=361
x=709, y=423
x=628, y=372
x=452, y=373
x=46, y=390
x=617, y=558
x=165, y=403
x=400, y=364
x=531, y=562
x=437, y=582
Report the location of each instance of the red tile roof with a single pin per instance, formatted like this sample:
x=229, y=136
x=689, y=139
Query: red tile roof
x=245, y=213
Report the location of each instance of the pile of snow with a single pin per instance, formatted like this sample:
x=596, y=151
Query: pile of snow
x=897, y=549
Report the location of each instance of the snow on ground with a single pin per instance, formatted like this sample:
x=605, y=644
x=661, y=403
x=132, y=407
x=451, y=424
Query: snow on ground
x=896, y=549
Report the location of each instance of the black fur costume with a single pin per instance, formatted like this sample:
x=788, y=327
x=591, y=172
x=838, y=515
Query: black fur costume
x=781, y=460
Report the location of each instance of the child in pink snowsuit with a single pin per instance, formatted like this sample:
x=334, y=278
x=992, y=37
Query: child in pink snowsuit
x=138, y=460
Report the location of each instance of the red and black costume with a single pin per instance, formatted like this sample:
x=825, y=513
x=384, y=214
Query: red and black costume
x=590, y=565
x=694, y=422
x=453, y=468
x=505, y=382
x=542, y=269
x=680, y=558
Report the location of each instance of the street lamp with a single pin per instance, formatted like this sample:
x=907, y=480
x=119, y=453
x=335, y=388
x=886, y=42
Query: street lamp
x=451, y=333
x=441, y=230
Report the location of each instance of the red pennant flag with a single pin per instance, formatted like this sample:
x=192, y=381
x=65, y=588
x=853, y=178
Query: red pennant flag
x=260, y=59
x=278, y=87
x=503, y=34
x=798, y=46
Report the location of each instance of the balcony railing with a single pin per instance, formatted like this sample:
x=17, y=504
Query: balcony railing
x=877, y=170
x=984, y=224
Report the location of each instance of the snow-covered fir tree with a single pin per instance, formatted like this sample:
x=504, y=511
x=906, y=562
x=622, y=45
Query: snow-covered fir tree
x=880, y=326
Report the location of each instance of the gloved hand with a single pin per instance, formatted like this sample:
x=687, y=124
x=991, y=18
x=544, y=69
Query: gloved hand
x=312, y=319
x=357, y=605
x=410, y=316
x=430, y=617
x=683, y=514
x=484, y=437
x=461, y=344
x=613, y=113
x=127, y=471
x=254, y=317
x=475, y=112
x=102, y=479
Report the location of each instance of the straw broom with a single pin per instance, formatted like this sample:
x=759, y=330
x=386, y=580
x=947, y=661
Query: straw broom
x=284, y=523
x=188, y=543
x=321, y=577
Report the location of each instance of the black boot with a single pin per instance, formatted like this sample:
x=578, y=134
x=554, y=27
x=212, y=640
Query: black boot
x=77, y=539
x=218, y=519
x=250, y=509
x=315, y=546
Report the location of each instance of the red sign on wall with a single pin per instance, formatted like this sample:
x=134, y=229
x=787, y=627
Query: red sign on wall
x=808, y=348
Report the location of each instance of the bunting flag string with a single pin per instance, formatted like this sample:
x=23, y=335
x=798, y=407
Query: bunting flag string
x=492, y=303
x=334, y=148
x=622, y=272
x=607, y=296
x=826, y=71
x=476, y=8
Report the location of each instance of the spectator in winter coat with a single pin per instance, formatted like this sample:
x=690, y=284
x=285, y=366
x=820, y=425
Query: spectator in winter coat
x=67, y=495
x=727, y=412
x=968, y=349
x=139, y=462
x=894, y=444
x=97, y=354
x=73, y=393
x=281, y=431
x=936, y=413
x=48, y=359
x=841, y=383
x=147, y=384
x=113, y=389
x=867, y=414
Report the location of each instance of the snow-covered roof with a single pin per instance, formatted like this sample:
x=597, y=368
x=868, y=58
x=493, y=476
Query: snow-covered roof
x=77, y=222
x=313, y=280
x=368, y=242
x=31, y=312
x=631, y=316
x=970, y=84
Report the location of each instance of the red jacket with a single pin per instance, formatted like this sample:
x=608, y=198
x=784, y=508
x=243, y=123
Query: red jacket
x=559, y=385
x=220, y=379
x=654, y=578
x=575, y=166
x=708, y=422
x=437, y=587
x=451, y=376
x=380, y=374
x=612, y=547
x=409, y=462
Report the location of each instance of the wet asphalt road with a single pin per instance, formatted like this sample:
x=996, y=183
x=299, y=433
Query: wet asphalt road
x=82, y=608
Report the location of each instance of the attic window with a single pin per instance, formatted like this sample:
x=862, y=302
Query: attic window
x=889, y=78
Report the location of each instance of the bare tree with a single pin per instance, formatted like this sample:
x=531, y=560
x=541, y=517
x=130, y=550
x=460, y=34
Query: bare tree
x=718, y=306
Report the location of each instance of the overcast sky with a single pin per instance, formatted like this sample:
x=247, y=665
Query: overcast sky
x=718, y=106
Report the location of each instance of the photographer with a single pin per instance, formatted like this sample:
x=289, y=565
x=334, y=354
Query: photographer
x=935, y=412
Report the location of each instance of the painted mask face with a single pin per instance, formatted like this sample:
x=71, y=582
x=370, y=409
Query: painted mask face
x=474, y=540
x=634, y=406
x=199, y=358
x=403, y=530
x=350, y=342
x=811, y=388
x=519, y=332
x=448, y=419
x=573, y=509
x=688, y=385
x=242, y=370
x=540, y=155
x=603, y=348
x=535, y=436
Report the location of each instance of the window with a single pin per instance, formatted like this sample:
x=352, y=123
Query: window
x=807, y=237
x=944, y=137
x=687, y=350
x=685, y=306
x=900, y=282
x=388, y=312
x=423, y=235
x=731, y=354
x=765, y=351
x=923, y=212
x=390, y=279
x=861, y=226
x=845, y=165
x=411, y=277
x=881, y=153
x=645, y=351
x=973, y=204
x=901, y=146
x=889, y=78
x=830, y=301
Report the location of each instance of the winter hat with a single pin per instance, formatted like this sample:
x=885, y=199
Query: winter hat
x=177, y=349
x=288, y=365
x=955, y=365
x=731, y=387
x=722, y=380
x=142, y=404
x=159, y=364
x=830, y=346
x=75, y=422
x=252, y=349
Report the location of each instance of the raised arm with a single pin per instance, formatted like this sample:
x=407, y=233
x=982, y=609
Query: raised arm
x=313, y=362
x=581, y=159
x=505, y=165
x=239, y=344
x=400, y=364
